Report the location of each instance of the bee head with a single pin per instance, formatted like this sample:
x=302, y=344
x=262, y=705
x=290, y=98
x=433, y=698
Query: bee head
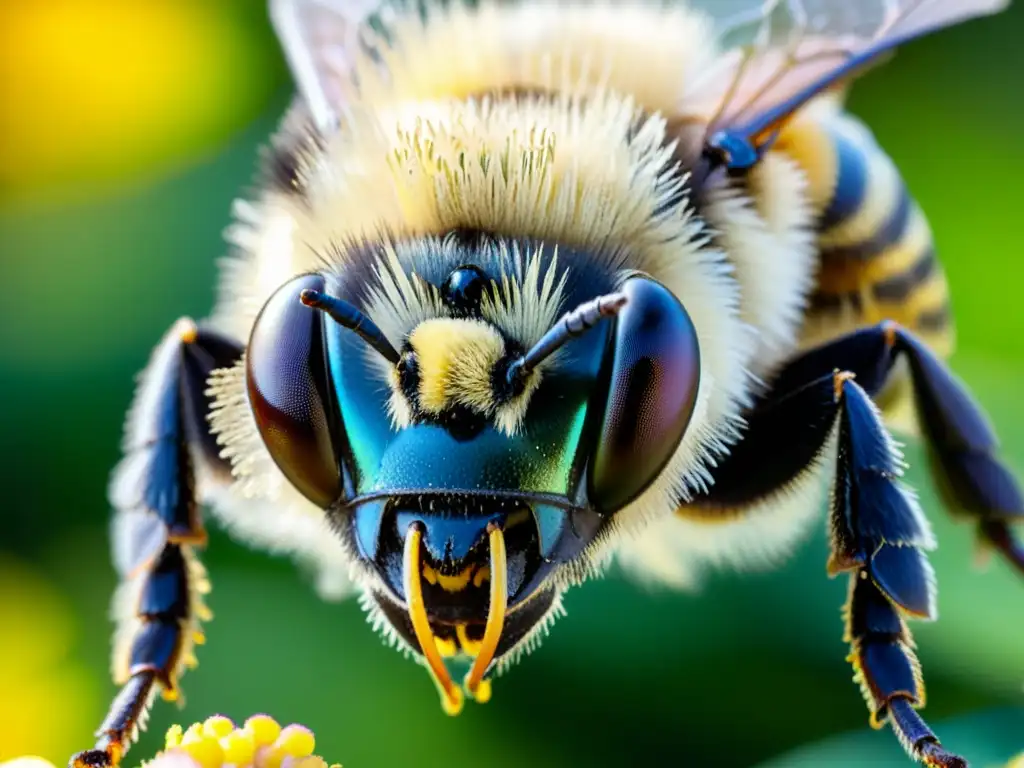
x=469, y=469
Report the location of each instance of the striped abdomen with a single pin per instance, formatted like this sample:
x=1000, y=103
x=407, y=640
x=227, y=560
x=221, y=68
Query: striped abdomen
x=877, y=257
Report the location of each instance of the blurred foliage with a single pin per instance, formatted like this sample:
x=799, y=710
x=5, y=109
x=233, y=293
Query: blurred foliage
x=126, y=129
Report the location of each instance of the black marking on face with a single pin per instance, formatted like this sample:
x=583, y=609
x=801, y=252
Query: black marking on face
x=462, y=422
x=409, y=378
x=503, y=388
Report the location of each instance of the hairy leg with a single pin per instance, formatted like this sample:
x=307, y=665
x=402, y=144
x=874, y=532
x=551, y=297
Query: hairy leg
x=157, y=529
x=961, y=442
x=820, y=407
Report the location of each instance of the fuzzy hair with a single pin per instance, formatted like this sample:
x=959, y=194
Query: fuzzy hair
x=425, y=151
x=534, y=636
x=456, y=357
x=261, y=507
x=523, y=303
x=579, y=173
x=399, y=300
x=676, y=550
x=651, y=49
x=769, y=237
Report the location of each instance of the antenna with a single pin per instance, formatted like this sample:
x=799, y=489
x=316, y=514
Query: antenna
x=571, y=325
x=347, y=315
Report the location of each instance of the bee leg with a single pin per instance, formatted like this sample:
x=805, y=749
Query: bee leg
x=962, y=444
x=877, y=532
x=156, y=529
x=887, y=670
x=153, y=645
x=878, y=536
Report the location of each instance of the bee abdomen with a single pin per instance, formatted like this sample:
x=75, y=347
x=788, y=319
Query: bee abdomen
x=877, y=258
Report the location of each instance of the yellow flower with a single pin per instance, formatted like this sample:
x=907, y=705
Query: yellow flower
x=259, y=743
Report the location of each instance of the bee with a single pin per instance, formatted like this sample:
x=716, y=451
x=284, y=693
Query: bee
x=531, y=287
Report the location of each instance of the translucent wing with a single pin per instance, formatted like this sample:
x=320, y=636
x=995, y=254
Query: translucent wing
x=321, y=40
x=781, y=53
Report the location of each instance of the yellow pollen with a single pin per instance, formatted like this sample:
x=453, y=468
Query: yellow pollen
x=217, y=743
x=296, y=741
x=218, y=726
x=173, y=738
x=205, y=750
x=239, y=747
x=263, y=728
x=270, y=757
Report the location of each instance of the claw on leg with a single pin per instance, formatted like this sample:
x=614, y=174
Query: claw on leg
x=127, y=712
x=918, y=738
x=96, y=758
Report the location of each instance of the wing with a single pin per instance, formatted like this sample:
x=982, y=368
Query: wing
x=322, y=40
x=781, y=53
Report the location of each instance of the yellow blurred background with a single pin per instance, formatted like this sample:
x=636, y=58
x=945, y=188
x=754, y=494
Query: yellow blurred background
x=127, y=127
x=100, y=93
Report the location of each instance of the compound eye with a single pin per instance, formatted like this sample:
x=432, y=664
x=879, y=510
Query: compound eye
x=290, y=393
x=653, y=374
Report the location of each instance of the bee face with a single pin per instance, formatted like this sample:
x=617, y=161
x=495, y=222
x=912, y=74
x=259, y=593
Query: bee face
x=471, y=456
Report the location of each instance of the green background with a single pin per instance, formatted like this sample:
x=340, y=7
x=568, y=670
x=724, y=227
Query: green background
x=98, y=259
